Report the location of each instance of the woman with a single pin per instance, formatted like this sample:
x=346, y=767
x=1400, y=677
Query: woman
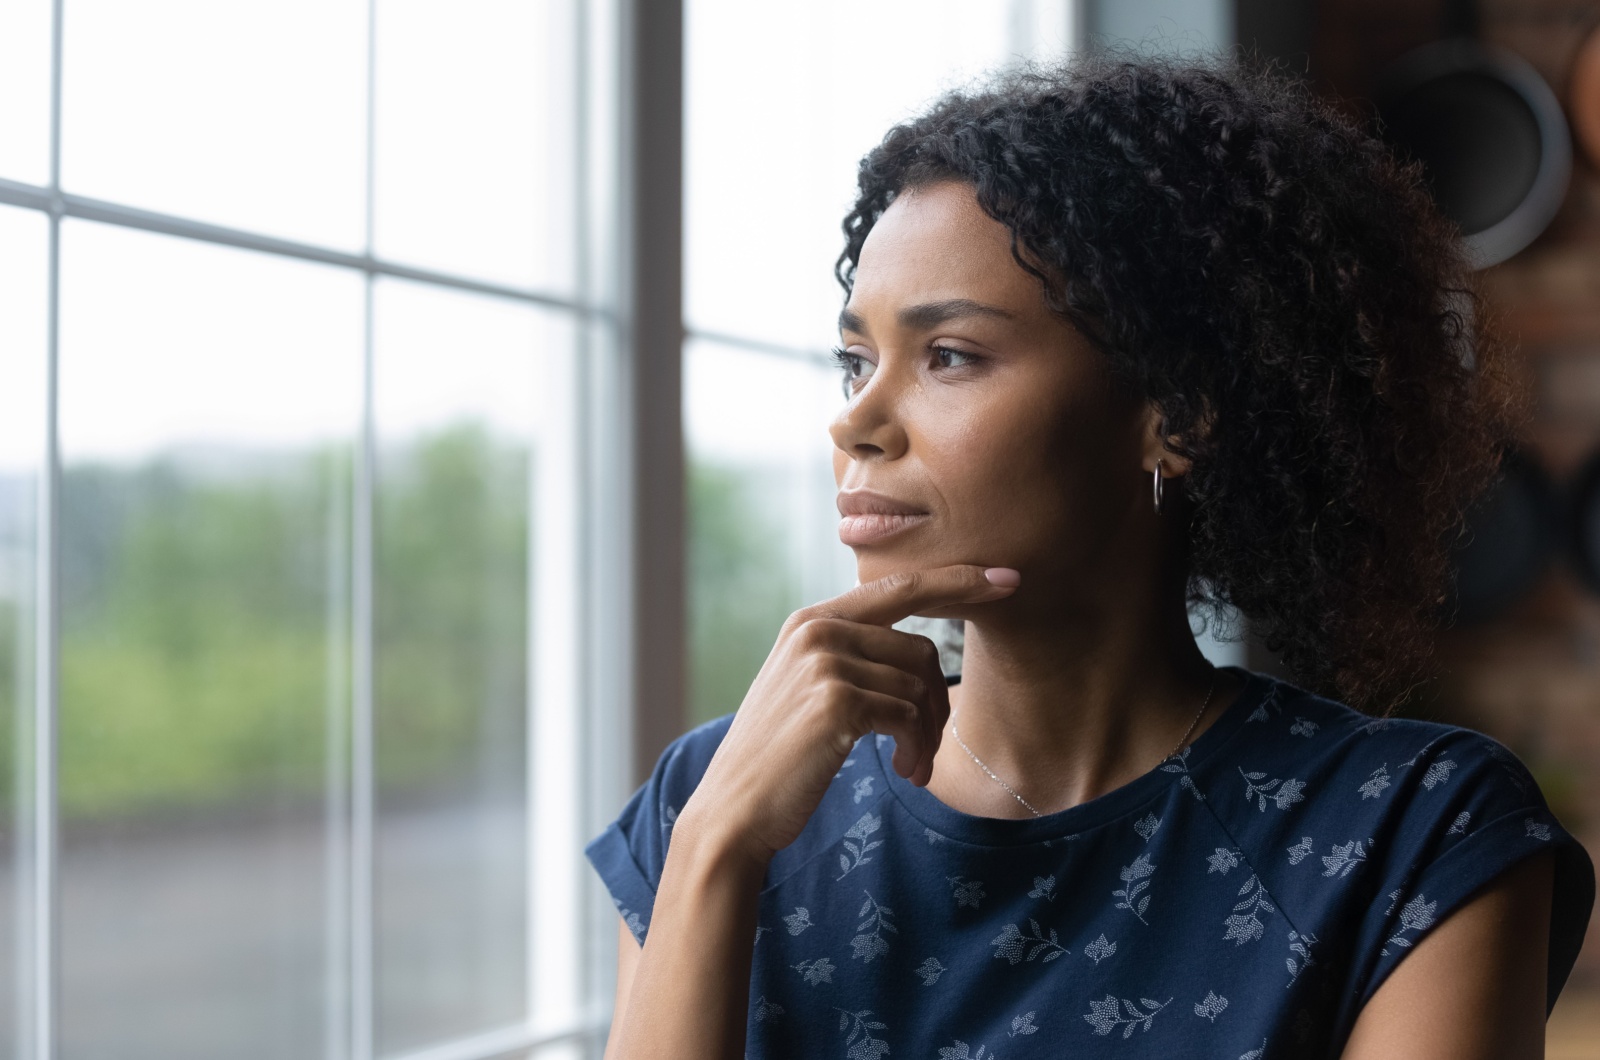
x=1119, y=338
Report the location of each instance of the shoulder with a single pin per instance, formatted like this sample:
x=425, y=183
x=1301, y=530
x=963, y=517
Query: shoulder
x=1328, y=754
x=1379, y=828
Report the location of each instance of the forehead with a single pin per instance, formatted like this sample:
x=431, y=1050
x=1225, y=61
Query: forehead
x=935, y=243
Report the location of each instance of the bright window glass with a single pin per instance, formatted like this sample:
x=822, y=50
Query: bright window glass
x=209, y=403
x=774, y=132
x=475, y=139
x=23, y=268
x=25, y=91
x=457, y=457
x=763, y=525
x=246, y=115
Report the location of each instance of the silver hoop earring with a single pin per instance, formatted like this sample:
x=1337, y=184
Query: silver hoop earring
x=1155, y=487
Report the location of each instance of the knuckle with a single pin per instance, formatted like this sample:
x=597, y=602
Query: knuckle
x=798, y=619
x=815, y=633
x=903, y=582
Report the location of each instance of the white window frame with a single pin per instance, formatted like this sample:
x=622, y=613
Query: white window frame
x=595, y=732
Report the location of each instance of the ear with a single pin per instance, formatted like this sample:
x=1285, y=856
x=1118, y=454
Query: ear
x=1157, y=445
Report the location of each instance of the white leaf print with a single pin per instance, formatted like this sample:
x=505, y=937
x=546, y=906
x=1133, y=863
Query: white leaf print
x=799, y=920
x=1244, y=925
x=933, y=837
x=1011, y=944
x=1023, y=1024
x=966, y=892
x=1105, y=1016
x=848, y=762
x=1437, y=773
x=1179, y=763
x=1146, y=826
x=855, y=842
x=871, y=943
x=958, y=1051
x=863, y=788
x=765, y=1010
x=1459, y=825
x=861, y=1026
x=930, y=970
x=1537, y=829
x=1304, y=727
x=1268, y=707
x=669, y=817
x=1223, y=860
x=1343, y=858
x=817, y=971
x=1043, y=887
x=1416, y=915
x=1134, y=881
x=1298, y=852
x=1374, y=785
x=1211, y=1006
x=1283, y=797
x=1099, y=949
x=1255, y=1054
x=759, y=932
x=1301, y=945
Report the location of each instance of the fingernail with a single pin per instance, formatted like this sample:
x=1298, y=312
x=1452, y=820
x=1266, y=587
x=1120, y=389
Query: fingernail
x=1003, y=576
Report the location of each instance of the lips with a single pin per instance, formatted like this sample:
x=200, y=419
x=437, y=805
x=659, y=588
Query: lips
x=869, y=517
x=865, y=502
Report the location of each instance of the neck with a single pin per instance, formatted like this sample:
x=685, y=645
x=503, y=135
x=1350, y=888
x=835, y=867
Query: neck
x=1066, y=710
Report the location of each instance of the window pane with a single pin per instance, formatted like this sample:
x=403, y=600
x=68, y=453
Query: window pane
x=209, y=399
x=774, y=135
x=475, y=139
x=457, y=383
x=249, y=115
x=23, y=265
x=25, y=90
x=763, y=525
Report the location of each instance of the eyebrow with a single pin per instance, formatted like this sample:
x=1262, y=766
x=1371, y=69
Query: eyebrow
x=928, y=314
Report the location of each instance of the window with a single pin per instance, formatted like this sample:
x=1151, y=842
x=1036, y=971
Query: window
x=295, y=301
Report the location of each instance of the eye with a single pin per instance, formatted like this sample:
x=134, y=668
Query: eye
x=855, y=367
x=945, y=353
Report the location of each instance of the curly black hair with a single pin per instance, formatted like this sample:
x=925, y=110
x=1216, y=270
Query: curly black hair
x=1281, y=285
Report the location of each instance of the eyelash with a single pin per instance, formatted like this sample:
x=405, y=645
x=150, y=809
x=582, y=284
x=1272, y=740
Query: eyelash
x=844, y=361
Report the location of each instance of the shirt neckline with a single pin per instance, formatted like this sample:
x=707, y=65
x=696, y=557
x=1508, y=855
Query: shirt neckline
x=1004, y=831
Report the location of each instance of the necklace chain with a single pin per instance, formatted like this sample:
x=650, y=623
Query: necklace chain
x=1183, y=740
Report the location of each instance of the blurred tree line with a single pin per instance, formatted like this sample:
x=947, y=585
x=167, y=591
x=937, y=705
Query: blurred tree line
x=206, y=630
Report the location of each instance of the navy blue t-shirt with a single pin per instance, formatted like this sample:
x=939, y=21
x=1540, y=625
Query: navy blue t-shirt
x=1242, y=900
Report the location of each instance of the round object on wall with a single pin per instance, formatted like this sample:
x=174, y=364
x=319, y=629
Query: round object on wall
x=1510, y=539
x=1491, y=136
x=1585, y=539
x=1583, y=98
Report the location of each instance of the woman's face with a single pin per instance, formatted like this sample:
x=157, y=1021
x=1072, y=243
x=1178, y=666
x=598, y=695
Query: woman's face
x=975, y=406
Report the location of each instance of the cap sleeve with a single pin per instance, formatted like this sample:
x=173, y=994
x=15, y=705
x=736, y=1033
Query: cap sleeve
x=630, y=853
x=1471, y=811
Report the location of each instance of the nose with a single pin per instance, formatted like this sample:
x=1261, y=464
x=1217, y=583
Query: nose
x=871, y=422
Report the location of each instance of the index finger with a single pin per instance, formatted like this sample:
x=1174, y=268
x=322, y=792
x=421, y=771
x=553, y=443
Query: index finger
x=900, y=595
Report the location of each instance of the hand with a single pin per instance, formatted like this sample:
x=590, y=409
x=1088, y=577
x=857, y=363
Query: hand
x=837, y=672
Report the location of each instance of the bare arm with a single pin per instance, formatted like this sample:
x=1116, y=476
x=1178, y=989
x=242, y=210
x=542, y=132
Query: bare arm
x=1474, y=988
x=687, y=991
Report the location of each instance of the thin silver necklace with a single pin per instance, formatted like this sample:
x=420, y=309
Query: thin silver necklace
x=1185, y=739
